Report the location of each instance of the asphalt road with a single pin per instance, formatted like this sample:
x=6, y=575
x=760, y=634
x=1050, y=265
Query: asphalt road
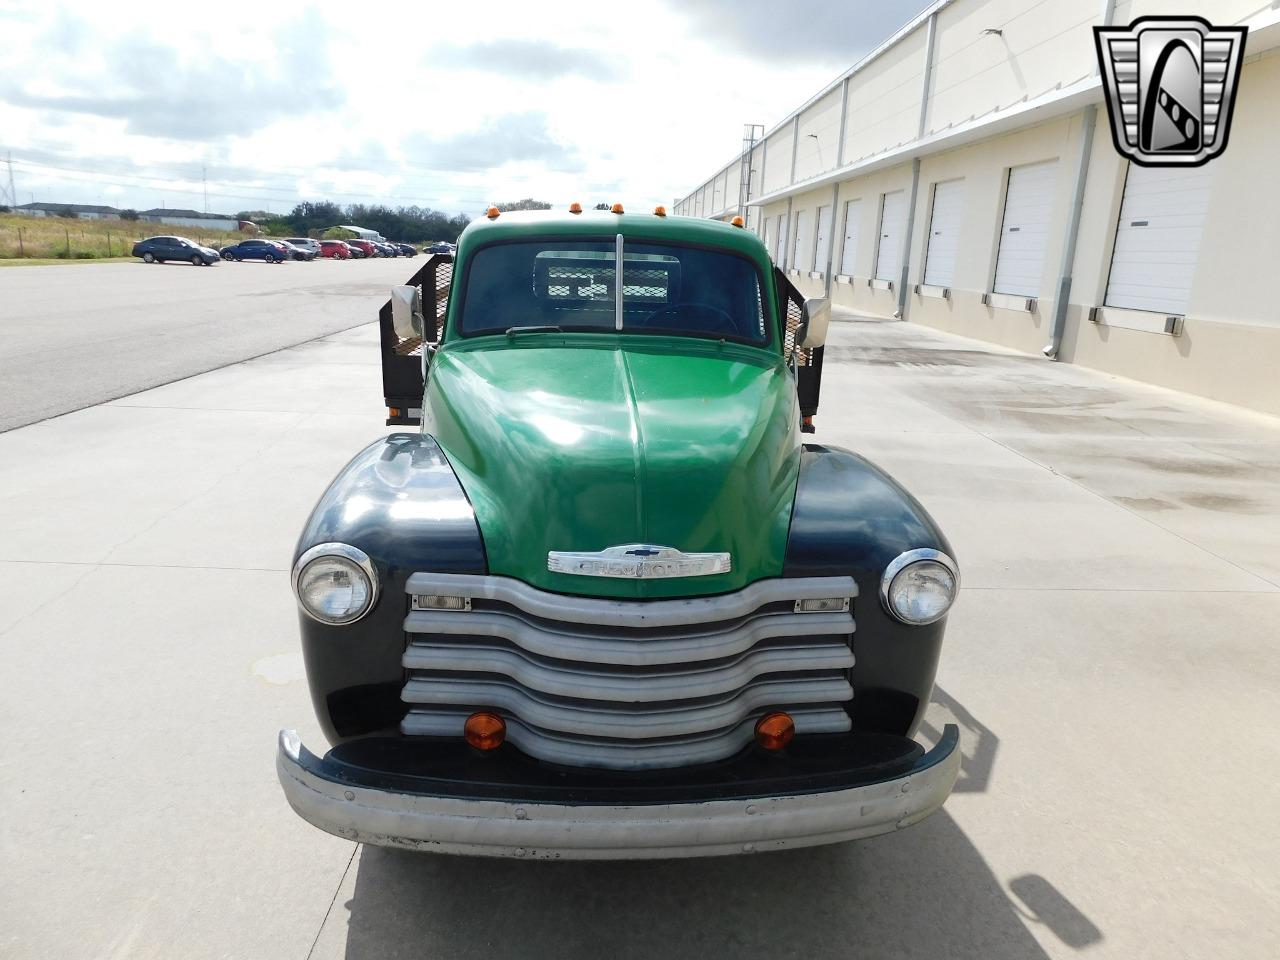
x=73, y=335
x=1111, y=663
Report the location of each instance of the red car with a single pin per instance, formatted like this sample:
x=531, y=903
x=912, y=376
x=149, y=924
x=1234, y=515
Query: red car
x=335, y=249
x=365, y=246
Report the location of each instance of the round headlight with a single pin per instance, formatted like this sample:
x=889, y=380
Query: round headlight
x=335, y=583
x=919, y=586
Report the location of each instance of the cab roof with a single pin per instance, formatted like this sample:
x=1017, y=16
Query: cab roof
x=528, y=224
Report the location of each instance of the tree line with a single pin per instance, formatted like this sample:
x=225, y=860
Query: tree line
x=407, y=224
x=314, y=219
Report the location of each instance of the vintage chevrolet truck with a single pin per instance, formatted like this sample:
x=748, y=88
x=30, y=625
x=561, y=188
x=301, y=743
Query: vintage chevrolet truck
x=602, y=602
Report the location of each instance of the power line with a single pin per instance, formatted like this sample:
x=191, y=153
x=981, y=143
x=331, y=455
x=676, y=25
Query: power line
x=150, y=183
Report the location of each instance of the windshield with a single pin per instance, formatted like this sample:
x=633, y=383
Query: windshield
x=571, y=285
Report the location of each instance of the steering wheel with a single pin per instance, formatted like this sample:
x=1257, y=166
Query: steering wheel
x=725, y=320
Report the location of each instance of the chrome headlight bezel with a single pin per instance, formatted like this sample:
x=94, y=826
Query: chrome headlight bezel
x=904, y=560
x=354, y=555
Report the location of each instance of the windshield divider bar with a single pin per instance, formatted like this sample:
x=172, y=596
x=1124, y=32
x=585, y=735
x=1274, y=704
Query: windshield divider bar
x=617, y=284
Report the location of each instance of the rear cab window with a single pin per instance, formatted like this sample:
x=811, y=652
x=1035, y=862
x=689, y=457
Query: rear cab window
x=667, y=288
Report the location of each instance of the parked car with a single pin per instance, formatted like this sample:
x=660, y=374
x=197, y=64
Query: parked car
x=407, y=249
x=294, y=252
x=385, y=249
x=365, y=247
x=254, y=249
x=335, y=250
x=305, y=243
x=160, y=249
x=596, y=598
x=440, y=246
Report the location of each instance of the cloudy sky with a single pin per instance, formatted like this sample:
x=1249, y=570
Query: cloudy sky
x=447, y=105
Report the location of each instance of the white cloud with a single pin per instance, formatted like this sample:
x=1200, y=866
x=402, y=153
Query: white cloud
x=444, y=105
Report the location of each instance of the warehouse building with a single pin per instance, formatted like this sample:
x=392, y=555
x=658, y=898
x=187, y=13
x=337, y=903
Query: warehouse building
x=963, y=176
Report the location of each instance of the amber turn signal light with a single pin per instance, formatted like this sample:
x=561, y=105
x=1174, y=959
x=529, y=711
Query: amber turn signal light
x=738, y=221
x=774, y=730
x=492, y=213
x=616, y=208
x=575, y=208
x=485, y=731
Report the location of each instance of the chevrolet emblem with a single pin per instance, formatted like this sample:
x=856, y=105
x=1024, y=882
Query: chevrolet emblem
x=639, y=561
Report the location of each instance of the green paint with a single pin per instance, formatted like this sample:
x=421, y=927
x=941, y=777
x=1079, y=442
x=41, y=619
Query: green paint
x=587, y=441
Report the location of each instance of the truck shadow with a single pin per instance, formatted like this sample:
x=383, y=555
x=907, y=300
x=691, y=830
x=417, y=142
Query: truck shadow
x=925, y=892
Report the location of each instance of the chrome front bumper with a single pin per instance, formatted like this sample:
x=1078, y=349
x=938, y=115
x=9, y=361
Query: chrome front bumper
x=544, y=830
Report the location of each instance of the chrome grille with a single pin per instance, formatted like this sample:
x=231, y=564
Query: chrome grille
x=626, y=684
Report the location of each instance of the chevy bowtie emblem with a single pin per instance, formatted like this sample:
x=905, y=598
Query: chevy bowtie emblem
x=639, y=561
x=1170, y=84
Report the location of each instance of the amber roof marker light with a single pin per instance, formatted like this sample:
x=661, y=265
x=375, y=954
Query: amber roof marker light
x=738, y=222
x=775, y=730
x=492, y=213
x=485, y=731
x=659, y=211
x=616, y=208
x=575, y=208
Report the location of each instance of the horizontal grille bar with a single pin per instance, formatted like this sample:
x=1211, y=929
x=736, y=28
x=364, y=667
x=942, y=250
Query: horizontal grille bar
x=629, y=754
x=630, y=722
x=599, y=644
x=630, y=613
x=629, y=685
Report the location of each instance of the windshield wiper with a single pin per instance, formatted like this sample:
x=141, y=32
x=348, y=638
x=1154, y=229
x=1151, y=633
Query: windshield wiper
x=546, y=328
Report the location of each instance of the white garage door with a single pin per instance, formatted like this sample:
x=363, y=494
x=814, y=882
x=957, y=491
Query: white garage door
x=804, y=241
x=1158, y=238
x=944, y=233
x=888, y=256
x=1024, y=235
x=849, y=252
x=822, y=251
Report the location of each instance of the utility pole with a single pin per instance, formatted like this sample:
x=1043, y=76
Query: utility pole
x=13, y=192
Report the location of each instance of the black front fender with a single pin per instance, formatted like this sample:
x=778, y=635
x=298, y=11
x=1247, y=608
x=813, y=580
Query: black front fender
x=400, y=503
x=851, y=519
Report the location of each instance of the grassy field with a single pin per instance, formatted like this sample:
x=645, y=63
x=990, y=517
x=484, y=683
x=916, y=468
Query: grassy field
x=60, y=239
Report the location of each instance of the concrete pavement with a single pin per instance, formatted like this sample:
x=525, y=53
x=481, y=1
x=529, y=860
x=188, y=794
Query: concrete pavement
x=1111, y=663
x=71, y=337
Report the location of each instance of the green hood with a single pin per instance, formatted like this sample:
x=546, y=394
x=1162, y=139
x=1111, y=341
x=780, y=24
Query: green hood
x=581, y=442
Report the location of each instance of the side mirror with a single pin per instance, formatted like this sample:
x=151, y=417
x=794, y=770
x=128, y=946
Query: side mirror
x=815, y=317
x=406, y=312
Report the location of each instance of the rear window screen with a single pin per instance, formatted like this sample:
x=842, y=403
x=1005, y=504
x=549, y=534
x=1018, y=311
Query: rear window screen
x=666, y=288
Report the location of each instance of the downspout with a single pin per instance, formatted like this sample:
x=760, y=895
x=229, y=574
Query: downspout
x=1089, y=121
x=915, y=168
x=831, y=239
x=1061, y=303
x=788, y=249
x=901, y=312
